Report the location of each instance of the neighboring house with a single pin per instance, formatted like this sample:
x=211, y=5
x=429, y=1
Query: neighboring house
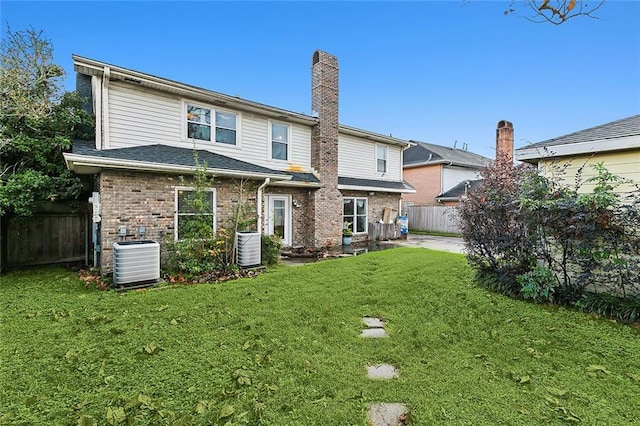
x=453, y=196
x=304, y=175
x=616, y=144
x=434, y=170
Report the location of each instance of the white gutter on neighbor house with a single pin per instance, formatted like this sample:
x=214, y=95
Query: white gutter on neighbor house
x=577, y=148
x=260, y=188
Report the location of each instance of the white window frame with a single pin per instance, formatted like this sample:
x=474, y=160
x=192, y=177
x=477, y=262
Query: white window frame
x=176, y=213
x=270, y=137
x=186, y=120
x=213, y=125
x=385, y=159
x=355, y=214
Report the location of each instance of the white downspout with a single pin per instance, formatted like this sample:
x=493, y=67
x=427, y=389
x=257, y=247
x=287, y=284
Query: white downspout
x=260, y=188
x=106, y=143
x=96, y=90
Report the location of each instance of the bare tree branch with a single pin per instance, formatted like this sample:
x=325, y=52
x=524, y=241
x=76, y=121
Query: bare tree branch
x=556, y=12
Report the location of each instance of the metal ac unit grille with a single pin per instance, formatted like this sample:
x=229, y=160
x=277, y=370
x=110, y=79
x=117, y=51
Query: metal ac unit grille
x=136, y=261
x=249, y=246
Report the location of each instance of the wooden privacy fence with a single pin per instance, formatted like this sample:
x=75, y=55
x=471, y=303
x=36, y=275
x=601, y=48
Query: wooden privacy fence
x=52, y=237
x=433, y=219
x=383, y=231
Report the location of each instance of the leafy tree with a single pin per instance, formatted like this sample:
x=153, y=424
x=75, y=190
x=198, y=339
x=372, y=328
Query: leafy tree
x=37, y=124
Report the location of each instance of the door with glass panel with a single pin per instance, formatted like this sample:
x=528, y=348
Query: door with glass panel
x=278, y=217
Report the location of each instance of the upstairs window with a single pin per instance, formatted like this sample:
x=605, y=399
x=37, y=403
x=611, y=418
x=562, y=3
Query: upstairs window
x=279, y=141
x=226, y=128
x=200, y=125
x=381, y=159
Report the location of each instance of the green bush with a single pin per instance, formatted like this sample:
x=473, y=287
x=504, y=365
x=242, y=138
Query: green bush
x=538, y=284
x=589, y=241
x=271, y=245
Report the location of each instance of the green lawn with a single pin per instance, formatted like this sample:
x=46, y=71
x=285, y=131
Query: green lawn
x=284, y=349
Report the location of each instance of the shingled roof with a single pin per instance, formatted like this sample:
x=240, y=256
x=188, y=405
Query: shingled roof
x=459, y=190
x=629, y=126
x=374, y=184
x=165, y=154
x=424, y=153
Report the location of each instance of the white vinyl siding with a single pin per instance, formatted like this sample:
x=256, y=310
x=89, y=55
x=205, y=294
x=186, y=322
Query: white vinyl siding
x=357, y=158
x=143, y=117
x=452, y=175
x=138, y=118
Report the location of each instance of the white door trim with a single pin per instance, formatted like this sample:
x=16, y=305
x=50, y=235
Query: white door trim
x=268, y=217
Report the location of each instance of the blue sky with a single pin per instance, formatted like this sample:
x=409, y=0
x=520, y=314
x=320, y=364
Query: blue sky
x=438, y=72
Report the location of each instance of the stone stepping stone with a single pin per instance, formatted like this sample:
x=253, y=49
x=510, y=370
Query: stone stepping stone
x=373, y=322
x=387, y=414
x=382, y=371
x=374, y=333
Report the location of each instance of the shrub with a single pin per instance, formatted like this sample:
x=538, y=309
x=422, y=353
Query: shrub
x=538, y=284
x=271, y=245
x=493, y=227
x=588, y=241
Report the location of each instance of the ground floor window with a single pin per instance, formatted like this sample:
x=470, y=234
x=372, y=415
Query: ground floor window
x=354, y=212
x=192, y=213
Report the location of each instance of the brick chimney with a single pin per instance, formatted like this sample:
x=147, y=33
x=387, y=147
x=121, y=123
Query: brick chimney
x=504, y=141
x=327, y=201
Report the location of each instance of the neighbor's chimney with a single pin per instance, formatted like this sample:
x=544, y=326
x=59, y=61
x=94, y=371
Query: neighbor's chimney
x=504, y=141
x=327, y=201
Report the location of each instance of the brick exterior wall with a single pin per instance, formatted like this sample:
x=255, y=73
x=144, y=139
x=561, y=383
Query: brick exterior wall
x=135, y=199
x=375, y=207
x=427, y=180
x=326, y=206
x=301, y=215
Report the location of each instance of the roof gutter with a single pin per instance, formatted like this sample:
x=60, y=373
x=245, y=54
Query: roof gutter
x=92, y=67
x=376, y=189
x=536, y=153
x=73, y=161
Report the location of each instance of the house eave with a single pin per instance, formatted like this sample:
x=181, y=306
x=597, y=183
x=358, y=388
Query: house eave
x=444, y=163
x=83, y=164
x=537, y=153
x=296, y=184
x=375, y=189
x=375, y=137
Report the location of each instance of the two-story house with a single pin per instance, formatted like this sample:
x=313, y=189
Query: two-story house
x=304, y=175
x=440, y=174
x=443, y=175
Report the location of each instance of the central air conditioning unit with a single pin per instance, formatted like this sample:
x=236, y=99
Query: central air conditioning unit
x=136, y=262
x=248, y=249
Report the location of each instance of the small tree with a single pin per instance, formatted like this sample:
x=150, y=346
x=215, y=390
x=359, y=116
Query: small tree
x=37, y=124
x=495, y=233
